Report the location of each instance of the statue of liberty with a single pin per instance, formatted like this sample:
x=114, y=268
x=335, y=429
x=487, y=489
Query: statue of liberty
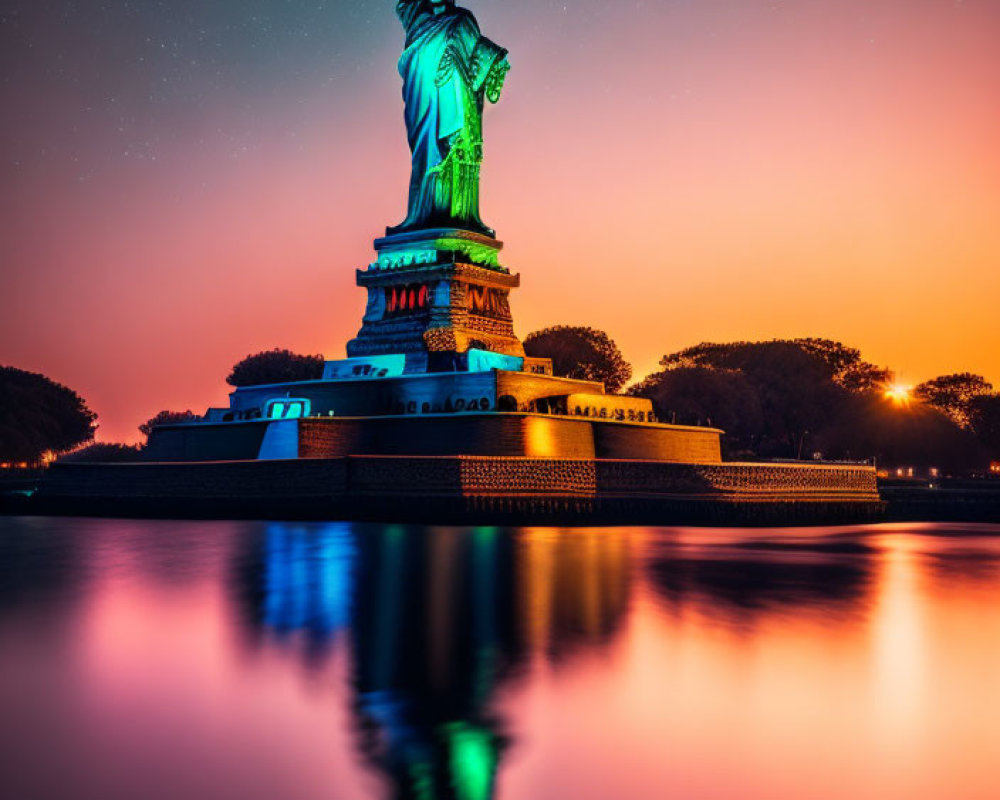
x=449, y=69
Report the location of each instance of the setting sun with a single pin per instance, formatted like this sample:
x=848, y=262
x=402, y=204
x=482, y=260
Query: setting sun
x=899, y=394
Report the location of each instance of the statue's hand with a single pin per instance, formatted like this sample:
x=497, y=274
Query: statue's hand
x=495, y=80
x=489, y=65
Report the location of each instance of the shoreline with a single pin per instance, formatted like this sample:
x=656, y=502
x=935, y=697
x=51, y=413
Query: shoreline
x=950, y=500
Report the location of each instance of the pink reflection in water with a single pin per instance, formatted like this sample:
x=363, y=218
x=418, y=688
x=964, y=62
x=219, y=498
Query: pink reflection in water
x=146, y=692
x=889, y=694
x=154, y=659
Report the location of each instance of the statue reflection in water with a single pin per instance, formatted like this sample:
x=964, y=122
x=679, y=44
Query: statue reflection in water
x=437, y=619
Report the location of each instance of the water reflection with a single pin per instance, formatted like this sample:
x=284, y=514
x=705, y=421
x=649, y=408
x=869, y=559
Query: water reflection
x=573, y=588
x=438, y=620
x=296, y=580
x=745, y=580
x=256, y=660
x=961, y=567
x=30, y=575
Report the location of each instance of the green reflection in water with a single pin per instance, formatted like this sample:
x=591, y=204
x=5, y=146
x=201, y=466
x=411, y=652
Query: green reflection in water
x=473, y=759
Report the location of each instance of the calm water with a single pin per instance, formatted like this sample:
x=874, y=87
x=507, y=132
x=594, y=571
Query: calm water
x=260, y=660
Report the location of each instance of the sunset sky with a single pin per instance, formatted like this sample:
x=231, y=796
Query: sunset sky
x=186, y=182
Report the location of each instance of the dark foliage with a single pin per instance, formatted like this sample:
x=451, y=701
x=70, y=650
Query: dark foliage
x=848, y=369
x=276, y=366
x=843, y=364
x=702, y=396
x=984, y=416
x=104, y=453
x=791, y=390
x=954, y=394
x=165, y=418
x=581, y=353
x=915, y=435
x=38, y=415
x=791, y=398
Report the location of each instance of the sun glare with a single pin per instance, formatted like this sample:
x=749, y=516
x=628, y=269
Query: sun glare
x=898, y=394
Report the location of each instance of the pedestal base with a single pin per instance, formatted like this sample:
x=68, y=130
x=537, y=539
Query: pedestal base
x=433, y=295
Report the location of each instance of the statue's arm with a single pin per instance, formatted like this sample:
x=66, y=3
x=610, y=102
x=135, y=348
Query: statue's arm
x=409, y=10
x=489, y=67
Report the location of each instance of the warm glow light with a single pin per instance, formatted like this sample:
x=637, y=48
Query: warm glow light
x=898, y=394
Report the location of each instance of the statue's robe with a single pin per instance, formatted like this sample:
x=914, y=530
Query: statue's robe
x=442, y=102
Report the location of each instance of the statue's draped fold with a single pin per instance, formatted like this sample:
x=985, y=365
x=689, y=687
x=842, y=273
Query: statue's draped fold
x=448, y=68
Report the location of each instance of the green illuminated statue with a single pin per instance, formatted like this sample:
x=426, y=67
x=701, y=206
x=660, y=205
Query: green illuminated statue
x=449, y=69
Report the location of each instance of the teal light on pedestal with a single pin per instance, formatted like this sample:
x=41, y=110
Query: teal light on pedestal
x=281, y=441
x=353, y=369
x=288, y=408
x=484, y=361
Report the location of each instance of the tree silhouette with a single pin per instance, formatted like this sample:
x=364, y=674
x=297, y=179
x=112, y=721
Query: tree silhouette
x=722, y=398
x=984, y=414
x=954, y=394
x=165, y=418
x=104, y=452
x=843, y=364
x=793, y=383
x=917, y=435
x=276, y=366
x=847, y=367
x=39, y=415
x=581, y=353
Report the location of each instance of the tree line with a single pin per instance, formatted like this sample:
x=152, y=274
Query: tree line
x=797, y=398
x=804, y=397
x=783, y=398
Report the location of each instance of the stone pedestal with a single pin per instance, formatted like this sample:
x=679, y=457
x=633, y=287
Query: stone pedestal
x=433, y=295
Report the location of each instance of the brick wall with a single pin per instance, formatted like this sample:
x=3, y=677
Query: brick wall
x=687, y=445
x=457, y=434
x=736, y=480
x=457, y=489
x=531, y=435
x=218, y=479
x=525, y=387
x=206, y=442
x=475, y=476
